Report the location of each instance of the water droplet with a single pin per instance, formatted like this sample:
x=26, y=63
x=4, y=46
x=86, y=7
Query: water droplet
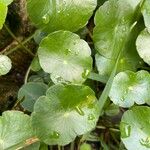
x=55, y=135
x=125, y=130
x=45, y=18
x=68, y=51
x=77, y=53
x=57, y=79
x=122, y=98
x=85, y=73
x=67, y=14
x=124, y=29
x=107, y=12
x=91, y=117
x=145, y=142
x=79, y=111
x=64, y=2
x=65, y=62
x=123, y=21
x=58, y=11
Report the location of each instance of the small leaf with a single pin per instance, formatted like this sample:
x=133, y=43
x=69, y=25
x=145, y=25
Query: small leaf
x=6, y=2
x=135, y=131
x=15, y=130
x=3, y=13
x=146, y=14
x=129, y=88
x=53, y=15
x=5, y=65
x=66, y=56
x=112, y=33
x=64, y=113
x=143, y=46
x=30, y=92
x=112, y=110
x=35, y=65
x=85, y=146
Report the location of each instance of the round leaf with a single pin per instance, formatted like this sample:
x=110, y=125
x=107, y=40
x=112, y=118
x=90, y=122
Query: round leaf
x=129, y=88
x=64, y=113
x=5, y=65
x=66, y=56
x=135, y=131
x=146, y=14
x=60, y=14
x=143, y=46
x=30, y=92
x=15, y=130
x=3, y=13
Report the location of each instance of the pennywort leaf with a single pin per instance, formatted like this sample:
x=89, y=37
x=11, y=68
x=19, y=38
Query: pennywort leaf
x=5, y=64
x=3, y=13
x=65, y=56
x=143, y=46
x=64, y=113
x=30, y=92
x=53, y=15
x=129, y=88
x=135, y=131
x=15, y=130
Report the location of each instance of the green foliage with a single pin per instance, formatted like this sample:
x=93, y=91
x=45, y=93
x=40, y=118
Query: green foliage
x=65, y=56
x=30, y=92
x=53, y=15
x=64, y=113
x=143, y=46
x=5, y=65
x=15, y=130
x=135, y=131
x=129, y=88
x=62, y=107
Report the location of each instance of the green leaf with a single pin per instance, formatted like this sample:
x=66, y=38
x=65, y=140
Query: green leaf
x=143, y=46
x=35, y=65
x=85, y=146
x=34, y=146
x=30, y=92
x=3, y=13
x=113, y=32
x=5, y=65
x=113, y=21
x=66, y=56
x=112, y=110
x=64, y=113
x=6, y=2
x=146, y=13
x=135, y=131
x=54, y=15
x=129, y=88
x=15, y=130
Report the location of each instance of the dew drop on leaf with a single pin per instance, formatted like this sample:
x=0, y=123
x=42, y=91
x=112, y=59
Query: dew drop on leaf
x=85, y=73
x=126, y=130
x=91, y=117
x=145, y=142
x=55, y=135
x=67, y=51
x=46, y=19
x=79, y=111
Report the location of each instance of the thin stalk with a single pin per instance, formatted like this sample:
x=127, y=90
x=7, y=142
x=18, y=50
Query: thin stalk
x=11, y=33
x=59, y=147
x=27, y=75
x=72, y=145
x=17, y=47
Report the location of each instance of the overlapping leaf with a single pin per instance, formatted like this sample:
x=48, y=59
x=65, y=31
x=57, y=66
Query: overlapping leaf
x=15, y=130
x=135, y=131
x=64, y=113
x=65, y=56
x=143, y=45
x=129, y=88
x=54, y=15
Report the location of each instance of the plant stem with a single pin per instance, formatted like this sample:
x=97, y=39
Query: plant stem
x=59, y=148
x=27, y=75
x=11, y=33
x=72, y=145
x=17, y=47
